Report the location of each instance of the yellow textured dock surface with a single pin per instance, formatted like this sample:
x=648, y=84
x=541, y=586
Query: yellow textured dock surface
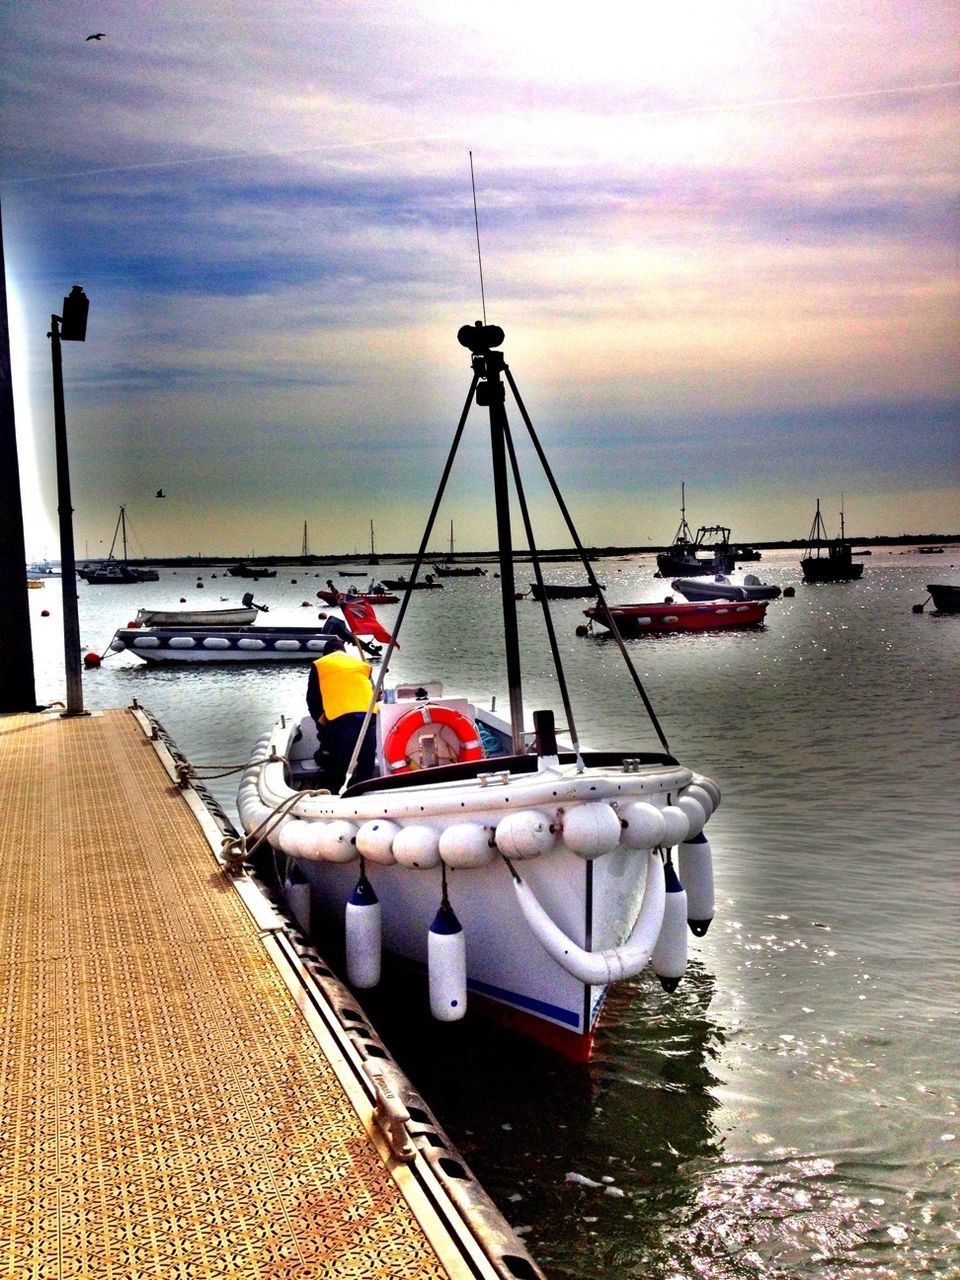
x=164, y=1110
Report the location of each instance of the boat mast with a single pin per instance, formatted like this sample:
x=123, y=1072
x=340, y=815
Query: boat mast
x=451, y=539
x=303, y=549
x=373, y=550
x=491, y=394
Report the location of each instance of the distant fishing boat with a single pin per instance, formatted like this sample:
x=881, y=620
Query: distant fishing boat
x=828, y=559
x=688, y=556
x=113, y=570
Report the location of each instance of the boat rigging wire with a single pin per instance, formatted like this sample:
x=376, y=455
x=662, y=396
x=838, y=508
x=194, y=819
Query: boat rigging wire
x=547, y=615
x=588, y=567
x=408, y=592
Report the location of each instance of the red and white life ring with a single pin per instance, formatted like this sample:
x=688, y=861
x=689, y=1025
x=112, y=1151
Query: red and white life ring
x=396, y=757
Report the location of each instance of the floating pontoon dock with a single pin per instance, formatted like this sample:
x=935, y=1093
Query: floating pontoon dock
x=186, y=1092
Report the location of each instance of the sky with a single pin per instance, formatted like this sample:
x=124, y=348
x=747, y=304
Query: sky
x=721, y=237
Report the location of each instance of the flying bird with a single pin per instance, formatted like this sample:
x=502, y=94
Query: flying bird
x=97, y=35
x=161, y=494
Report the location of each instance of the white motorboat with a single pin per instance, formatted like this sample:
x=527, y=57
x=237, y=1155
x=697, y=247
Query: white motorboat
x=519, y=873
x=207, y=643
x=179, y=618
x=726, y=587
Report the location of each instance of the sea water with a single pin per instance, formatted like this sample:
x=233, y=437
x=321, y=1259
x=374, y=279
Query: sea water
x=792, y=1109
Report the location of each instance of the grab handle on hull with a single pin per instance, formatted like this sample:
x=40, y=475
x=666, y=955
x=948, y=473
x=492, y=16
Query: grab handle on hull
x=597, y=968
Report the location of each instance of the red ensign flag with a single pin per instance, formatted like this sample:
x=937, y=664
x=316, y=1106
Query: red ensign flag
x=362, y=621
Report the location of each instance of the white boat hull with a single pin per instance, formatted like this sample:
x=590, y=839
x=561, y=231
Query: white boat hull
x=592, y=893
x=220, y=644
x=238, y=617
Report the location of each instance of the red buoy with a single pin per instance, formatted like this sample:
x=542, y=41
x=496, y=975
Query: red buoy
x=91, y=660
x=44, y=613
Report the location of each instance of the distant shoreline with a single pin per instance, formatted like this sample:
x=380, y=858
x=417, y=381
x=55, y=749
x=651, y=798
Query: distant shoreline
x=949, y=542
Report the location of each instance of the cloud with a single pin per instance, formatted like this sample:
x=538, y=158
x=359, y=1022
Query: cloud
x=721, y=239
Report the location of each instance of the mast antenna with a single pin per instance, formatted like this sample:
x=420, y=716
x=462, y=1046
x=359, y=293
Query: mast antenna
x=476, y=223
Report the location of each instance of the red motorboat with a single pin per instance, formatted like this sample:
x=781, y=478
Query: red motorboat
x=703, y=615
x=376, y=593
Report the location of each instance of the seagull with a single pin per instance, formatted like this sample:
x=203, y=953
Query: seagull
x=98, y=35
x=161, y=494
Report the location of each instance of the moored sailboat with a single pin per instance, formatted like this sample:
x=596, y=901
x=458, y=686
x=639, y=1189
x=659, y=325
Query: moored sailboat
x=518, y=871
x=113, y=570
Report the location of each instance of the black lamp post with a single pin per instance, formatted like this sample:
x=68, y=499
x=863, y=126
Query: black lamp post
x=70, y=327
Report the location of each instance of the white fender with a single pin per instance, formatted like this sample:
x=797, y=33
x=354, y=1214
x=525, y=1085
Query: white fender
x=466, y=844
x=678, y=825
x=597, y=968
x=702, y=795
x=337, y=841
x=526, y=834
x=447, y=966
x=696, y=872
x=291, y=836
x=362, y=933
x=591, y=829
x=375, y=841
x=417, y=846
x=669, y=957
x=644, y=827
x=310, y=842
x=696, y=814
x=296, y=892
x=708, y=784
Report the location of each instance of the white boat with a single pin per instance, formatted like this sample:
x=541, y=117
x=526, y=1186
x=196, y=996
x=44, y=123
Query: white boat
x=726, y=587
x=164, y=644
x=179, y=618
x=520, y=874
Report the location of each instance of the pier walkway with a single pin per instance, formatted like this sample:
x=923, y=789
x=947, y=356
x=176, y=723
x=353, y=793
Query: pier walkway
x=171, y=1104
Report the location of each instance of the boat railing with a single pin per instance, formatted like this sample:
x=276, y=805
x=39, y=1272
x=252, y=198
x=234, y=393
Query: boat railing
x=470, y=770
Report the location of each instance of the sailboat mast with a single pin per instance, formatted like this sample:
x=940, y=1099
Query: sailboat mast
x=451, y=539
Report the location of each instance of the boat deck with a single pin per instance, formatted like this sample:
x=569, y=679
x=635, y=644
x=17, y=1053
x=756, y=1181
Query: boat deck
x=167, y=1106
